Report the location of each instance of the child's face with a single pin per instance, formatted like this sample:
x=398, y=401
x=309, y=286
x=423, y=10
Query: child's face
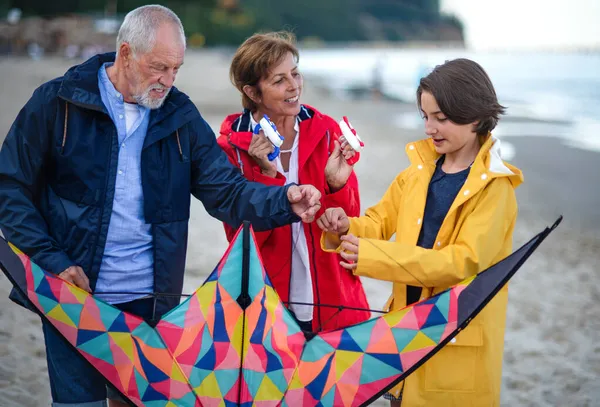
x=448, y=137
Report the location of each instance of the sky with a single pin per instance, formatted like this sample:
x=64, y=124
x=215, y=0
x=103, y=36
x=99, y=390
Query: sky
x=528, y=24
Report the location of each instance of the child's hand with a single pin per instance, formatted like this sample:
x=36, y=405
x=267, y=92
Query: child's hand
x=334, y=220
x=349, y=251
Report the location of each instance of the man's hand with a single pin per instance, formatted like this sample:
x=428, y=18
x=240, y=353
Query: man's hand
x=349, y=252
x=337, y=169
x=76, y=276
x=305, y=201
x=260, y=148
x=334, y=220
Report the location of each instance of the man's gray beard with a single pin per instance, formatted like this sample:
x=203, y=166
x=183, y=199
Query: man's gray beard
x=146, y=101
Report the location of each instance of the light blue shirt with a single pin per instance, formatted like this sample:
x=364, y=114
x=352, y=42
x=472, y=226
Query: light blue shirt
x=128, y=261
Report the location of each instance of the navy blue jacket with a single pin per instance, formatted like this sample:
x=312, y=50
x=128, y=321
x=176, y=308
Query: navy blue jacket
x=57, y=186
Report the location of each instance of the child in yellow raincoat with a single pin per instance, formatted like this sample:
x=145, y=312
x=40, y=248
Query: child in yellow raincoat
x=453, y=211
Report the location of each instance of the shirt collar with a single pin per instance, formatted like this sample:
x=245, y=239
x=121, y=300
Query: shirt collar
x=108, y=85
x=253, y=123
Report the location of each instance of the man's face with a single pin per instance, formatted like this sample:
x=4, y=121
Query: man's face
x=152, y=74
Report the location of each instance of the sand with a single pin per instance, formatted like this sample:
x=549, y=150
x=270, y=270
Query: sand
x=552, y=348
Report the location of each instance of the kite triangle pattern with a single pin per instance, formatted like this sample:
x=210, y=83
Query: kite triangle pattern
x=215, y=349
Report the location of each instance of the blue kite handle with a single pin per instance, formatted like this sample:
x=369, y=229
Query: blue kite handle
x=273, y=155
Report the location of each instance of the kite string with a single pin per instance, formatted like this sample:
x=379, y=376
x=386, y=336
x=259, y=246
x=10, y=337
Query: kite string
x=155, y=295
x=343, y=307
x=340, y=308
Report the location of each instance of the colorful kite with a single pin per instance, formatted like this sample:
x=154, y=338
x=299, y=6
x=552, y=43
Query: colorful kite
x=234, y=343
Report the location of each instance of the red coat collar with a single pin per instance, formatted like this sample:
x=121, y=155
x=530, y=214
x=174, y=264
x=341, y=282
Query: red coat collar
x=313, y=127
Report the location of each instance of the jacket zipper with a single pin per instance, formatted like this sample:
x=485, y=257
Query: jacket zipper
x=316, y=282
x=103, y=205
x=289, y=293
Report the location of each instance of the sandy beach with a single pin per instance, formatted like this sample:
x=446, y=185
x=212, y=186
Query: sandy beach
x=552, y=348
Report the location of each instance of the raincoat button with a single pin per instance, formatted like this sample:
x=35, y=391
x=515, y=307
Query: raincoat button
x=439, y=243
x=453, y=340
x=419, y=221
x=411, y=147
x=420, y=166
x=120, y=116
x=484, y=176
x=466, y=192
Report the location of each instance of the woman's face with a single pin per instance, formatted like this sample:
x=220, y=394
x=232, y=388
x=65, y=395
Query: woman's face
x=280, y=91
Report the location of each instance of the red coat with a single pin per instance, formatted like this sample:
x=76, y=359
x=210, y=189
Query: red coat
x=331, y=283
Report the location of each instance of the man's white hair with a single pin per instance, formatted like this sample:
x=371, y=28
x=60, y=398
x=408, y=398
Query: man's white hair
x=140, y=25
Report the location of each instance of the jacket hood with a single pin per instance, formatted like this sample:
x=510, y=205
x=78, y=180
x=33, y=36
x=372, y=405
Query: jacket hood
x=488, y=160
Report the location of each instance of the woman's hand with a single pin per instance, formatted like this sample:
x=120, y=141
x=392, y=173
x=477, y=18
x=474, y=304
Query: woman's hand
x=337, y=169
x=349, y=252
x=260, y=148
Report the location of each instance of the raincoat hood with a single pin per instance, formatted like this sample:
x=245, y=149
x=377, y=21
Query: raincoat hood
x=488, y=160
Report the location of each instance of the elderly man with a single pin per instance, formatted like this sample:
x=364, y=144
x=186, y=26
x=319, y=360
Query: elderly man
x=95, y=182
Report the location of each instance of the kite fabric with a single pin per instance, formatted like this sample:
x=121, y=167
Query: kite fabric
x=234, y=343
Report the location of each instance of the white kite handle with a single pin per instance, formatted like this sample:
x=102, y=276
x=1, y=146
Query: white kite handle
x=269, y=131
x=353, y=140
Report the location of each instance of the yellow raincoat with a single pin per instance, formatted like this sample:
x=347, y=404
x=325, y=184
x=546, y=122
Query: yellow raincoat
x=475, y=234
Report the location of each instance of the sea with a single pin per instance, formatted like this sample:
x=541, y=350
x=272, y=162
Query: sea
x=554, y=94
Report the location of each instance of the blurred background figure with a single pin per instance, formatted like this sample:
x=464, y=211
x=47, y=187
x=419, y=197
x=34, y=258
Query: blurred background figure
x=544, y=60
x=378, y=85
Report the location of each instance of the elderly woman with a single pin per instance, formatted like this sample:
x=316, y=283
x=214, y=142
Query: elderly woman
x=265, y=71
